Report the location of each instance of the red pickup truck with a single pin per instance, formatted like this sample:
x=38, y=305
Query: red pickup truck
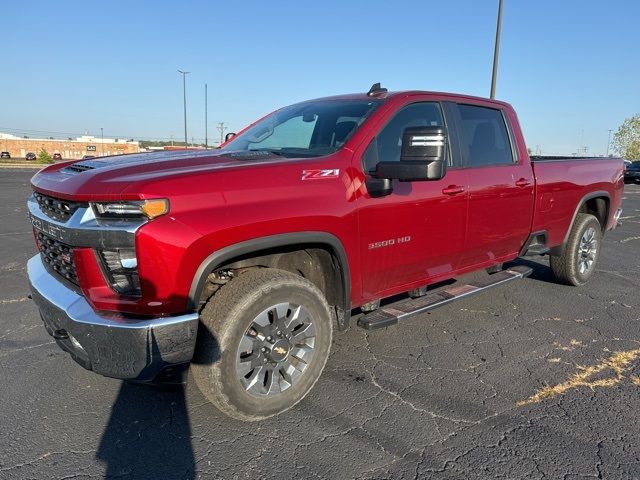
x=244, y=260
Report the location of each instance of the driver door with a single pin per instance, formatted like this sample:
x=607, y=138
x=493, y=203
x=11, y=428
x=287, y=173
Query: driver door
x=415, y=234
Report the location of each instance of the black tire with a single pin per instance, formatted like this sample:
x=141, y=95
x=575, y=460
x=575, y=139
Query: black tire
x=229, y=318
x=567, y=267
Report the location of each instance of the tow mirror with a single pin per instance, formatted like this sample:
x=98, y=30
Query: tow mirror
x=423, y=156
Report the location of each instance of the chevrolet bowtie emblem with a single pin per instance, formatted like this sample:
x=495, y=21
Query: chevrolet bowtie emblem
x=280, y=350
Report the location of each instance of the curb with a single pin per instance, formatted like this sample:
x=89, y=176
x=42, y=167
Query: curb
x=19, y=165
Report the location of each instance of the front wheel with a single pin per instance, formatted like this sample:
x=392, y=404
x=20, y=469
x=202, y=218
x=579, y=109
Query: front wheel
x=577, y=262
x=263, y=342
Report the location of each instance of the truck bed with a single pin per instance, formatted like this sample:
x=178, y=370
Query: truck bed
x=562, y=183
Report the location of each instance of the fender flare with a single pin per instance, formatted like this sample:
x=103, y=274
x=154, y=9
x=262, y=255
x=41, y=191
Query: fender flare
x=583, y=200
x=227, y=253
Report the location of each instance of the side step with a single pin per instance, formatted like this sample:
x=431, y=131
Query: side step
x=391, y=314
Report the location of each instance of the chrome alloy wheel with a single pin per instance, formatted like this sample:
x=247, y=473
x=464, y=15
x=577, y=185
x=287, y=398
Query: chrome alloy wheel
x=587, y=250
x=275, y=350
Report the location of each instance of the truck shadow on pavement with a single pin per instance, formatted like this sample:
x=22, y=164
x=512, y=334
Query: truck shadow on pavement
x=148, y=434
x=541, y=272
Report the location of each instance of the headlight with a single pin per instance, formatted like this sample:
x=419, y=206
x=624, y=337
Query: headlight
x=132, y=209
x=121, y=268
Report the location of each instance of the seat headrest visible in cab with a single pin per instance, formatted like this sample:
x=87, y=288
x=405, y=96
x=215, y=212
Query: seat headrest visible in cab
x=342, y=131
x=484, y=136
x=483, y=148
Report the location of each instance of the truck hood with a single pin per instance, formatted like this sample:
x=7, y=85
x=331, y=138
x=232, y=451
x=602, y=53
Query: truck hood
x=109, y=178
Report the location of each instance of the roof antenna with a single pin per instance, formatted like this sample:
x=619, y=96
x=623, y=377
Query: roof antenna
x=376, y=89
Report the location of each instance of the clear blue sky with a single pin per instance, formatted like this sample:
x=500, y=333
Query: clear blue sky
x=567, y=66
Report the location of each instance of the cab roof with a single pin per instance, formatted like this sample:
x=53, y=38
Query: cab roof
x=404, y=93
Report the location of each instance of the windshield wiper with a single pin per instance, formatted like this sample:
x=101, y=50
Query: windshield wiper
x=274, y=151
x=251, y=154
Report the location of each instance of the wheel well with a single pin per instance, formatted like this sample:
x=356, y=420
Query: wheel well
x=599, y=208
x=317, y=263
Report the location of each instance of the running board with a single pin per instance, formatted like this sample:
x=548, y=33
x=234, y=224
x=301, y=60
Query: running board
x=391, y=314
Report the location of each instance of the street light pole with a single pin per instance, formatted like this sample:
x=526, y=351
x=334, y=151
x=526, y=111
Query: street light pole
x=102, y=141
x=496, y=52
x=206, y=118
x=609, y=142
x=184, y=93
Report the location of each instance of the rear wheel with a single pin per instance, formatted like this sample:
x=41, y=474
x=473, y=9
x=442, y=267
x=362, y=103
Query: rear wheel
x=577, y=262
x=263, y=343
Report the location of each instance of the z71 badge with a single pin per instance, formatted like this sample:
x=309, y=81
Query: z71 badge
x=314, y=174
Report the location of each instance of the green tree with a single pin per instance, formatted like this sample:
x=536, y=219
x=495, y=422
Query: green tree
x=626, y=141
x=44, y=157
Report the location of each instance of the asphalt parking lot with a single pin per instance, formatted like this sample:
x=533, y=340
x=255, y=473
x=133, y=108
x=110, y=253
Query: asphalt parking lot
x=529, y=380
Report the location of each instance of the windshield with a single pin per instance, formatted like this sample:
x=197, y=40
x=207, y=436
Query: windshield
x=309, y=129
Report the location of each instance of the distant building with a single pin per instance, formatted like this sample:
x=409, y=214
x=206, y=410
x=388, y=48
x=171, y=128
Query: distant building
x=71, y=149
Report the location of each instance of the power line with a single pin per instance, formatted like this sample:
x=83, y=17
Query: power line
x=222, y=128
x=20, y=132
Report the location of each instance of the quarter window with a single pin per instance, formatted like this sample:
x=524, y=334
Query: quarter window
x=485, y=135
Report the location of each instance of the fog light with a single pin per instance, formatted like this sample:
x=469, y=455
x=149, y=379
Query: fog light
x=121, y=268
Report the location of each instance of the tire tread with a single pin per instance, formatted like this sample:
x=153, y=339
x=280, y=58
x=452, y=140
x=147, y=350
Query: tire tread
x=242, y=290
x=564, y=266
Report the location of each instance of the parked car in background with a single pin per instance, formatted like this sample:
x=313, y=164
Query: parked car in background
x=632, y=173
x=57, y=156
x=30, y=156
x=5, y=155
x=86, y=157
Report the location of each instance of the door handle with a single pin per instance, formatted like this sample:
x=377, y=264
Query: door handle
x=453, y=190
x=523, y=182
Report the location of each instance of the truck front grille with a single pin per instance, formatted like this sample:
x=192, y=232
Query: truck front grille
x=60, y=210
x=57, y=257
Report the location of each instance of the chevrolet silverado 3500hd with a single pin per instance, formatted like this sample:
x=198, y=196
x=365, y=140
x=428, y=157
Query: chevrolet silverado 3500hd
x=242, y=261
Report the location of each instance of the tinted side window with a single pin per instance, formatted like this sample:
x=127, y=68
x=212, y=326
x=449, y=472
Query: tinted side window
x=386, y=146
x=485, y=135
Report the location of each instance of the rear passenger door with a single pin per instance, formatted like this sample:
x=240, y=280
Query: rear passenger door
x=500, y=186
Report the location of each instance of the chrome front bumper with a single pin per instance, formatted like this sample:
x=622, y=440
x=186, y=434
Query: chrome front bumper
x=110, y=346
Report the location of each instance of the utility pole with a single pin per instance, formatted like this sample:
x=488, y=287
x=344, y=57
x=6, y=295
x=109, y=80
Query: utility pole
x=496, y=51
x=609, y=142
x=102, y=135
x=206, y=119
x=184, y=93
x=222, y=128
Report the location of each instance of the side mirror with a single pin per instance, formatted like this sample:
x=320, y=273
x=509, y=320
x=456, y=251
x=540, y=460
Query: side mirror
x=229, y=136
x=423, y=156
